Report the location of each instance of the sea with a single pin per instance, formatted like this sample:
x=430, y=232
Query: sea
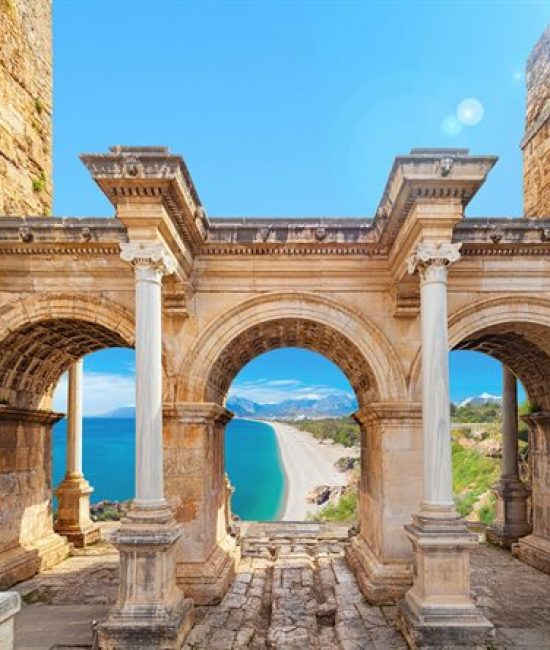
x=252, y=460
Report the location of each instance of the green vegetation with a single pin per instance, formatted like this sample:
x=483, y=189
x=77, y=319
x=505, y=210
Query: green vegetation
x=344, y=510
x=39, y=184
x=38, y=105
x=344, y=431
x=475, y=451
x=476, y=413
x=473, y=475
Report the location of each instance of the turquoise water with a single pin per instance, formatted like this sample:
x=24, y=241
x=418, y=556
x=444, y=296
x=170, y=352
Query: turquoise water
x=252, y=460
x=254, y=466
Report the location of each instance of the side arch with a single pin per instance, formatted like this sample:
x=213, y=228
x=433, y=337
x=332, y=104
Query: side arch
x=41, y=335
x=278, y=320
x=512, y=329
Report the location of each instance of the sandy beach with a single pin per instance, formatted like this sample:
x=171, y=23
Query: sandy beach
x=308, y=463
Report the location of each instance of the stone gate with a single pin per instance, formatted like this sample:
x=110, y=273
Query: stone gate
x=198, y=297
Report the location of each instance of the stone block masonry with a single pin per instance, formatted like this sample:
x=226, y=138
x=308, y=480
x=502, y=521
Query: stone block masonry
x=536, y=143
x=25, y=107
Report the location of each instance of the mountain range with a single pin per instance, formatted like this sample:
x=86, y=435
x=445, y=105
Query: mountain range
x=332, y=406
x=478, y=400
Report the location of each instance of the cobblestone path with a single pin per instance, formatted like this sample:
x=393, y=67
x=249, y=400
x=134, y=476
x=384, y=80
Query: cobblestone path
x=295, y=596
x=293, y=590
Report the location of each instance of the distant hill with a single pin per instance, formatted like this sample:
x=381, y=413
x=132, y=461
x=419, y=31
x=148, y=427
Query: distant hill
x=122, y=412
x=332, y=406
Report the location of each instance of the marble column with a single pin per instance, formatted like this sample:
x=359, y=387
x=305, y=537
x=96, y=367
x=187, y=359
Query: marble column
x=437, y=611
x=511, y=494
x=151, y=611
x=73, y=494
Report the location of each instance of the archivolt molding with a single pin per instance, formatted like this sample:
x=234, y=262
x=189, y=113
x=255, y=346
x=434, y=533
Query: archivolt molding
x=511, y=328
x=92, y=308
x=41, y=335
x=277, y=320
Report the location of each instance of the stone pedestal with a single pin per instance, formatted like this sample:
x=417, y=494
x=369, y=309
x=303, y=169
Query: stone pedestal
x=151, y=611
x=437, y=611
x=390, y=489
x=10, y=604
x=511, y=521
x=73, y=513
x=28, y=542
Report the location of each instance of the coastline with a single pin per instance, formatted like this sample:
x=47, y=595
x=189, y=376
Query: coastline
x=307, y=463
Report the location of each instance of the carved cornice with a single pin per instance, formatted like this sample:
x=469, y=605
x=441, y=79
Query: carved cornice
x=294, y=250
x=428, y=175
x=145, y=173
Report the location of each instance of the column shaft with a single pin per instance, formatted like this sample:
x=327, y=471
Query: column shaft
x=435, y=389
x=509, y=425
x=149, y=476
x=74, y=420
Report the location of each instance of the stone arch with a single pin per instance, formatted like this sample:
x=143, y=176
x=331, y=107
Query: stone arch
x=41, y=335
x=278, y=320
x=512, y=329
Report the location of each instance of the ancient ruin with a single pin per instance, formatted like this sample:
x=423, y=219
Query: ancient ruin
x=198, y=297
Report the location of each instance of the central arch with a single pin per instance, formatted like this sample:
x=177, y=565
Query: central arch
x=310, y=321
x=195, y=423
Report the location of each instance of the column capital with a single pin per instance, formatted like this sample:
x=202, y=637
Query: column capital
x=149, y=254
x=432, y=260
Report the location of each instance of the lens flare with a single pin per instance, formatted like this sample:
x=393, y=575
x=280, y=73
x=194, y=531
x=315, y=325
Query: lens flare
x=470, y=111
x=451, y=126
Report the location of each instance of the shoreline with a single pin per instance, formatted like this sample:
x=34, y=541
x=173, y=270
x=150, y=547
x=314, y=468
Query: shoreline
x=300, y=451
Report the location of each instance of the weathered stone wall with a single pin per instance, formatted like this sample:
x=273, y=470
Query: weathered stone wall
x=536, y=143
x=25, y=107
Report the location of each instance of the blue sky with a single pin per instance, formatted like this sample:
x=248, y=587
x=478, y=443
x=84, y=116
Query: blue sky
x=290, y=108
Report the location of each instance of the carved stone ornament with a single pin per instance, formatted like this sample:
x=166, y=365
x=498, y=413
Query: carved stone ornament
x=133, y=166
x=25, y=234
x=446, y=165
x=148, y=254
x=320, y=233
x=431, y=254
x=496, y=235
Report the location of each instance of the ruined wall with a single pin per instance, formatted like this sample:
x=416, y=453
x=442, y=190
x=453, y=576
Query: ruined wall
x=536, y=143
x=25, y=107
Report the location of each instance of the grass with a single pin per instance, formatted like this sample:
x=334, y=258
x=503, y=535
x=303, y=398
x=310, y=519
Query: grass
x=473, y=475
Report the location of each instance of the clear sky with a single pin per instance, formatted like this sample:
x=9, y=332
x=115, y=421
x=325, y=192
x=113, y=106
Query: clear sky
x=291, y=108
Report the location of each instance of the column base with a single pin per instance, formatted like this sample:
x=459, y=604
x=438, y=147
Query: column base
x=207, y=582
x=437, y=611
x=151, y=611
x=380, y=583
x=167, y=633
x=535, y=551
x=448, y=628
x=73, y=514
x=511, y=522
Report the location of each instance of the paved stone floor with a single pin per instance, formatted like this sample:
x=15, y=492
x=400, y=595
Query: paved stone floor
x=297, y=594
